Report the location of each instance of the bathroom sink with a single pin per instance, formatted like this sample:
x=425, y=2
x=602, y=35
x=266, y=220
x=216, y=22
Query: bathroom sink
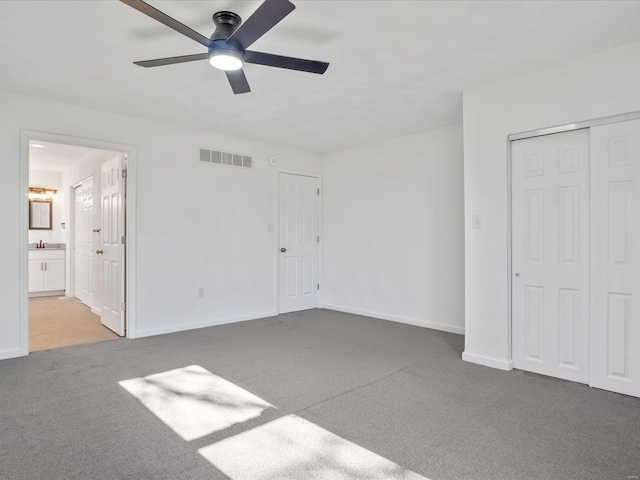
x=51, y=247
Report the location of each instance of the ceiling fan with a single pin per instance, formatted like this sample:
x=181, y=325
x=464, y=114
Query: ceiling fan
x=227, y=47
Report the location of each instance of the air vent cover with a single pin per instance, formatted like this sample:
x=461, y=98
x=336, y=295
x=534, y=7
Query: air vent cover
x=225, y=158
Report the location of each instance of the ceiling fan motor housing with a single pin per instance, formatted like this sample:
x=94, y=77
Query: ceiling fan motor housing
x=226, y=23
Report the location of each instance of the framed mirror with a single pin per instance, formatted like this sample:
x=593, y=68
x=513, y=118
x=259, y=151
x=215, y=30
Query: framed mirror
x=40, y=214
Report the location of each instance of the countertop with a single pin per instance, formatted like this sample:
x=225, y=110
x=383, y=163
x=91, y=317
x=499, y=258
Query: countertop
x=53, y=246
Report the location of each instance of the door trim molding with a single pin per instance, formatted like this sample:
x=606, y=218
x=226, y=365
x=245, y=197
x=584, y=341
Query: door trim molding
x=23, y=221
x=300, y=173
x=584, y=124
x=567, y=127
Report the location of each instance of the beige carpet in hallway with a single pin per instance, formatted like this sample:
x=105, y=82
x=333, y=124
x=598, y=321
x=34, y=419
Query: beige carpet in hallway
x=62, y=321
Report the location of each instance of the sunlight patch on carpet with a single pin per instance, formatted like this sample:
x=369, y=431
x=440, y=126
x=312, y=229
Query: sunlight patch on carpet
x=294, y=448
x=194, y=402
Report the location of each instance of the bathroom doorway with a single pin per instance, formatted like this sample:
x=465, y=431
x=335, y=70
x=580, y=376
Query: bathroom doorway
x=76, y=243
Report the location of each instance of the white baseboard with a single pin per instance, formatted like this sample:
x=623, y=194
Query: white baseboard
x=487, y=361
x=50, y=293
x=12, y=354
x=97, y=311
x=209, y=323
x=395, y=318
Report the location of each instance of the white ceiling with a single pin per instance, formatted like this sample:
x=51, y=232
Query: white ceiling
x=54, y=157
x=397, y=67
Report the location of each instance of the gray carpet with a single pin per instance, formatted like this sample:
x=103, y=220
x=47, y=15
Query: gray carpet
x=397, y=390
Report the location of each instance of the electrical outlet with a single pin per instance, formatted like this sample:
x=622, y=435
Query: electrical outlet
x=201, y=293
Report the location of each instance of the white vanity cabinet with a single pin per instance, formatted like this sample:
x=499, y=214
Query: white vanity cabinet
x=46, y=271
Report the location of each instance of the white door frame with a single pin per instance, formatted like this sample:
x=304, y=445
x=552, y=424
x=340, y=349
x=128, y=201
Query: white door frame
x=276, y=257
x=131, y=199
x=623, y=117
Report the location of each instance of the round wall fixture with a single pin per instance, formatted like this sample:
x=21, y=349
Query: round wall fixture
x=273, y=161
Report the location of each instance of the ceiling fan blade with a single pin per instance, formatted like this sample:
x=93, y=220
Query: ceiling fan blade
x=263, y=19
x=168, y=21
x=290, y=63
x=238, y=81
x=159, y=62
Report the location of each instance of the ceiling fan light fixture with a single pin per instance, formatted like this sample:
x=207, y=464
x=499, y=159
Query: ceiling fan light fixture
x=226, y=59
x=227, y=46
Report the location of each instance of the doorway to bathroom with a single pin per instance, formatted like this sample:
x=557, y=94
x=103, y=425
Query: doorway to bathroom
x=76, y=257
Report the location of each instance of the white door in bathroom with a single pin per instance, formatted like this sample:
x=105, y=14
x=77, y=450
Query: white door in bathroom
x=112, y=250
x=83, y=246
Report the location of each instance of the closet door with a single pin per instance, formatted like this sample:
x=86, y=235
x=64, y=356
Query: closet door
x=615, y=280
x=550, y=248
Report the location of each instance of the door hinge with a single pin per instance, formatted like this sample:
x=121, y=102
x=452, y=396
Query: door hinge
x=318, y=191
x=318, y=286
x=124, y=173
x=124, y=240
x=124, y=306
x=318, y=238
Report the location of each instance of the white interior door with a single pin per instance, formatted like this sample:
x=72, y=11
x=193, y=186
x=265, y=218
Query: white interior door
x=83, y=243
x=77, y=243
x=615, y=315
x=550, y=241
x=299, y=239
x=112, y=249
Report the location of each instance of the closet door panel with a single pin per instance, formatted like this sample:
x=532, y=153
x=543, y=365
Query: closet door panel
x=615, y=279
x=550, y=238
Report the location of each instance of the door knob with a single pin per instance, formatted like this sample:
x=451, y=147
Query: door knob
x=517, y=274
x=99, y=252
x=283, y=250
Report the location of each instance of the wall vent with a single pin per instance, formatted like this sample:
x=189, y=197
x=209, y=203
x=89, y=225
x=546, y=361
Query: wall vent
x=225, y=158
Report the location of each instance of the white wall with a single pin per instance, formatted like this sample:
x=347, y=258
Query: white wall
x=45, y=179
x=393, y=244
x=199, y=226
x=594, y=86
